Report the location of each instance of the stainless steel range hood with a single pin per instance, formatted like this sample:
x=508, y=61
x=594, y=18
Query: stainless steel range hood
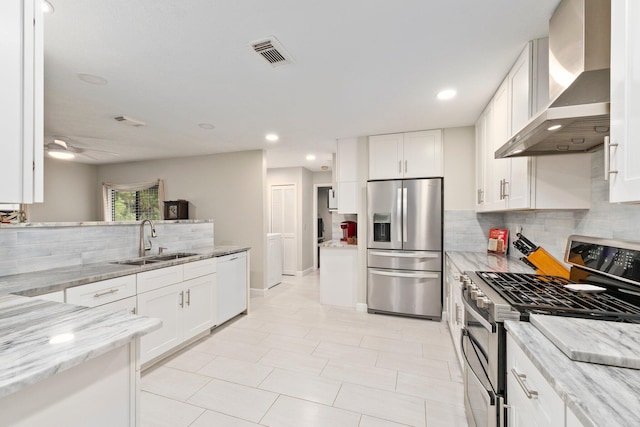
x=577, y=120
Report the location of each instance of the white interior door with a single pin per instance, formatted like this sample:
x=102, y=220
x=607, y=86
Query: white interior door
x=283, y=220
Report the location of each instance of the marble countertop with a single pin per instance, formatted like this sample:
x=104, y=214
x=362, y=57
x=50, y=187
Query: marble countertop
x=593, y=341
x=27, y=326
x=100, y=223
x=599, y=395
x=337, y=244
x=57, y=279
x=483, y=261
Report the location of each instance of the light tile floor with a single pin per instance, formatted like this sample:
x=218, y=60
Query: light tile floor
x=294, y=362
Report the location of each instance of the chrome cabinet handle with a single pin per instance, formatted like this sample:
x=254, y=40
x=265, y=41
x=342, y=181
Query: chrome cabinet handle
x=109, y=292
x=501, y=189
x=188, y=296
x=133, y=310
x=405, y=166
x=480, y=197
x=399, y=166
x=233, y=258
x=607, y=157
x=181, y=299
x=505, y=193
x=531, y=394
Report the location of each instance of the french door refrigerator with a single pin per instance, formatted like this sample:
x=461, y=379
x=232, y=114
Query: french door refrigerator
x=404, y=255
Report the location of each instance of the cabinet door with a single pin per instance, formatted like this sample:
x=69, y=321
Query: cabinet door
x=517, y=188
x=231, y=286
x=165, y=304
x=481, y=141
x=347, y=160
x=422, y=154
x=21, y=104
x=199, y=303
x=385, y=156
x=497, y=170
x=624, y=185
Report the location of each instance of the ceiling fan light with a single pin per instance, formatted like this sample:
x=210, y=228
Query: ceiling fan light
x=60, y=154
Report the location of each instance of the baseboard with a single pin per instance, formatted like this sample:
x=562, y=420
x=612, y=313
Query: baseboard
x=257, y=293
x=304, y=272
x=361, y=307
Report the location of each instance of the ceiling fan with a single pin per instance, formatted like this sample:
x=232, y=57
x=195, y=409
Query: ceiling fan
x=61, y=149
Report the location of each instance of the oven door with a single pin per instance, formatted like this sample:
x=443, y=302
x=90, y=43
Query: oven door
x=479, y=348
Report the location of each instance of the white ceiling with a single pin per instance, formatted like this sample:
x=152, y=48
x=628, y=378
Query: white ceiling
x=361, y=67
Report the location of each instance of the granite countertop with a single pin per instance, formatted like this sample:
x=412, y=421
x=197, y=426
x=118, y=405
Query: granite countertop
x=27, y=325
x=599, y=395
x=337, y=244
x=483, y=261
x=57, y=279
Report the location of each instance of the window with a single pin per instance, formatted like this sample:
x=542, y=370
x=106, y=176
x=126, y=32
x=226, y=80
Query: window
x=133, y=202
x=135, y=205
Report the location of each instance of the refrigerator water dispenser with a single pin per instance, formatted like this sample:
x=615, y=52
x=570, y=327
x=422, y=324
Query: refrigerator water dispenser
x=381, y=227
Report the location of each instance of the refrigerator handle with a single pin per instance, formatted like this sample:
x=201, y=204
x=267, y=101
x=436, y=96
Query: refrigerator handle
x=404, y=214
x=399, y=214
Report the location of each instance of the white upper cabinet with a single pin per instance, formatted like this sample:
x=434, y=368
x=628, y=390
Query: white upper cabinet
x=543, y=182
x=623, y=168
x=347, y=175
x=21, y=103
x=406, y=155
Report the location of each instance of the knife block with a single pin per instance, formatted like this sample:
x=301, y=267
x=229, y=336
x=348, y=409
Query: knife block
x=547, y=264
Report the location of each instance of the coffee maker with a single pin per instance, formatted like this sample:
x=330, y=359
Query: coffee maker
x=349, y=230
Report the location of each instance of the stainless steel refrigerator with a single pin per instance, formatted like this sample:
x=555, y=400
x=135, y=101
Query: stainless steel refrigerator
x=404, y=256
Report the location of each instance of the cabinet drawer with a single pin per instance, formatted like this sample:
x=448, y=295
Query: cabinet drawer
x=155, y=279
x=546, y=408
x=199, y=268
x=128, y=305
x=102, y=292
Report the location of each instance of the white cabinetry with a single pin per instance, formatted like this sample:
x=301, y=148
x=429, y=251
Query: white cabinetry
x=21, y=103
x=455, y=309
x=338, y=275
x=102, y=292
x=347, y=175
x=541, y=182
x=532, y=400
x=624, y=186
x=406, y=155
x=183, y=297
x=232, y=286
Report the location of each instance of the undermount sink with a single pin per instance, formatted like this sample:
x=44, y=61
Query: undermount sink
x=154, y=258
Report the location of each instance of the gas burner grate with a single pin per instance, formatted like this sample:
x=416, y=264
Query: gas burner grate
x=546, y=294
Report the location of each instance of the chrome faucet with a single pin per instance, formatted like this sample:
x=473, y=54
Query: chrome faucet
x=144, y=248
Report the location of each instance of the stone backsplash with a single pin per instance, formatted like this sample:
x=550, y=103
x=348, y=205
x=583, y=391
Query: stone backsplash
x=25, y=247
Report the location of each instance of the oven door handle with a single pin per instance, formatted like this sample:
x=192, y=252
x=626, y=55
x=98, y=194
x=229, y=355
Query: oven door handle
x=484, y=322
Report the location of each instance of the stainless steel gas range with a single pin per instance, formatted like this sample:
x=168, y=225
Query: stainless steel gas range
x=604, y=285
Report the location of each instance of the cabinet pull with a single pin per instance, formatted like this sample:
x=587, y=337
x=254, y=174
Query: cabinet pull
x=531, y=394
x=181, y=299
x=234, y=258
x=399, y=166
x=505, y=193
x=188, y=296
x=480, y=197
x=501, y=189
x=607, y=157
x=109, y=292
x=405, y=166
x=133, y=310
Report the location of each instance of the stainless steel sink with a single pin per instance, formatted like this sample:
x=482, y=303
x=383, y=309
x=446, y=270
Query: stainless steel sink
x=154, y=259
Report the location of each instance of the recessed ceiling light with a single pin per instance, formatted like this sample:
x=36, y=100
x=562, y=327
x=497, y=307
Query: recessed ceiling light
x=207, y=126
x=446, y=94
x=324, y=167
x=311, y=157
x=47, y=7
x=272, y=137
x=92, y=79
x=554, y=127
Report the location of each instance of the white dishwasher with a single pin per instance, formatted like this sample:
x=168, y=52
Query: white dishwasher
x=231, y=293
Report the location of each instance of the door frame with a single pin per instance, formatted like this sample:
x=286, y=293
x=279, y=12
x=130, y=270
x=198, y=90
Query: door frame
x=314, y=221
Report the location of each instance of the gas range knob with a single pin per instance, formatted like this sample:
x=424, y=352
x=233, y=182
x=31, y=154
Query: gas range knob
x=465, y=279
x=483, y=302
x=475, y=294
x=473, y=287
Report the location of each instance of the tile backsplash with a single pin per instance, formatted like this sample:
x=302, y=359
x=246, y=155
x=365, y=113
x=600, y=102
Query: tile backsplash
x=468, y=231
x=34, y=248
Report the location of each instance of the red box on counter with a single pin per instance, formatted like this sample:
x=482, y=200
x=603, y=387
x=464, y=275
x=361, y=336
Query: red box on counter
x=498, y=241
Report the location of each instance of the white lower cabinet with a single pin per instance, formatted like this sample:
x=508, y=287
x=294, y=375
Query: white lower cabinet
x=231, y=289
x=102, y=292
x=186, y=308
x=532, y=401
x=455, y=309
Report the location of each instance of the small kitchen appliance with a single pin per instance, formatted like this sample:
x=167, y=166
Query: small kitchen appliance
x=349, y=230
x=490, y=298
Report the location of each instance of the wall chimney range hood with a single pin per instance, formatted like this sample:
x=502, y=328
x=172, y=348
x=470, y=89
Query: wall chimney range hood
x=577, y=120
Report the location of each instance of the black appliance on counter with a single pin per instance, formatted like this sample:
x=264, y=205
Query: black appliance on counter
x=604, y=284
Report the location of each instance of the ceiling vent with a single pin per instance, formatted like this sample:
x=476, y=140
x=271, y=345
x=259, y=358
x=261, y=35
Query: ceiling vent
x=129, y=121
x=272, y=51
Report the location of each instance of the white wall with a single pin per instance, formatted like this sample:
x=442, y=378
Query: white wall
x=459, y=168
x=69, y=193
x=228, y=188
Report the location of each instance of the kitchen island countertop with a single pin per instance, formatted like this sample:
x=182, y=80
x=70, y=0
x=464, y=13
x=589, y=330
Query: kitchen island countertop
x=39, y=339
